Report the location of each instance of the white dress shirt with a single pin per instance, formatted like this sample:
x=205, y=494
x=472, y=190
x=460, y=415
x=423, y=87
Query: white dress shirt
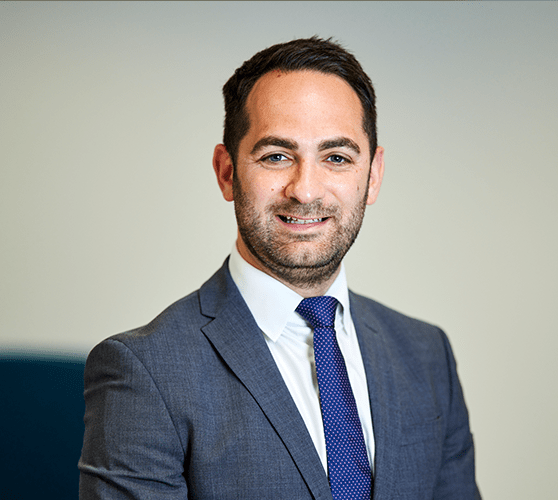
x=290, y=341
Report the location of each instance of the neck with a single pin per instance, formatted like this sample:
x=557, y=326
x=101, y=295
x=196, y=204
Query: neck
x=312, y=290
x=309, y=288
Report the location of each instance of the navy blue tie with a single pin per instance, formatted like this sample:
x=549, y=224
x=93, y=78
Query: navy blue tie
x=350, y=476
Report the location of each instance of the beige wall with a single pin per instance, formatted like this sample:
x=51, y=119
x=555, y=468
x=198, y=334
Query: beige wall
x=109, y=210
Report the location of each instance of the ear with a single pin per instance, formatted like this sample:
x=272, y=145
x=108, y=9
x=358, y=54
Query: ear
x=376, y=176
x=223, y=166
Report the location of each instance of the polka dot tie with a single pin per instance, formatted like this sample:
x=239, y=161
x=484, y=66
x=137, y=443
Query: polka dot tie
x=349, y=471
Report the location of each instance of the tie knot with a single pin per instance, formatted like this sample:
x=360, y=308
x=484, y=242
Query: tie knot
x=318, y=311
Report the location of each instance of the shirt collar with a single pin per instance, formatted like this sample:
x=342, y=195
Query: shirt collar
x=271, y=302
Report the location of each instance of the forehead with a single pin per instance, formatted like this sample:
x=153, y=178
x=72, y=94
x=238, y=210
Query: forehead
x=301, y=101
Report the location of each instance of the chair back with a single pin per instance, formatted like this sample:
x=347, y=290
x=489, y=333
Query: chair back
x=41, y=426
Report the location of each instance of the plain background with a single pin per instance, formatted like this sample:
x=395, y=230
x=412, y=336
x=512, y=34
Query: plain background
x=109, y=113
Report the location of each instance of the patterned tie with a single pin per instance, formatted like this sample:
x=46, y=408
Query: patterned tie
x=349, y=471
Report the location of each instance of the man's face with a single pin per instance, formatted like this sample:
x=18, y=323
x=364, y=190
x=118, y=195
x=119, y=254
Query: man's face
x=303, y=176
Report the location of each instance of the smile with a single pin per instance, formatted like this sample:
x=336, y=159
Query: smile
x=293, y=220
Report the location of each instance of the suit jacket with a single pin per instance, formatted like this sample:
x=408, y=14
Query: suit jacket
x=192, y=406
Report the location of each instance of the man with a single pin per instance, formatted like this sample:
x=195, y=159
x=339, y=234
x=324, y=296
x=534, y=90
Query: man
x=242, y=390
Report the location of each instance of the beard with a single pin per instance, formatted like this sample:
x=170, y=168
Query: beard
x=318, y=256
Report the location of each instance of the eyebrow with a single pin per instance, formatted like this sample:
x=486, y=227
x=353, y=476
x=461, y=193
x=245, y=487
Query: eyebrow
x=339, y=142
x=272, y=140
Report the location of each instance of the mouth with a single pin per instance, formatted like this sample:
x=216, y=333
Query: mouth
x=289, y=219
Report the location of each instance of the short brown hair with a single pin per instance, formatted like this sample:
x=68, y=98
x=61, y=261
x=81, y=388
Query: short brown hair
x=312, y=53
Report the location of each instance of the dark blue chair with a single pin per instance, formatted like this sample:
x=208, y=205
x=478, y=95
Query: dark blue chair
x=41, y=426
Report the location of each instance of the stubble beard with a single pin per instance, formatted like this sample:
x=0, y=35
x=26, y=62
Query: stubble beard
x=299, y=267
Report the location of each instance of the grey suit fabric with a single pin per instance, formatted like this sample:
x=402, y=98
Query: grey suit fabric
x=192, y=406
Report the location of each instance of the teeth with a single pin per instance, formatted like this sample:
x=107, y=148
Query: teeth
x=294, y=220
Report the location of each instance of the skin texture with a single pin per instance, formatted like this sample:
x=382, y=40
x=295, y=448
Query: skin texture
x=305, y=155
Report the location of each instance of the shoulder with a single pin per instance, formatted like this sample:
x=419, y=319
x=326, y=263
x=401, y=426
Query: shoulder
x=179, y=319
x=180, y=326
x=188, y=315
x=405, y=336
x=157, y=346
x=383, y=316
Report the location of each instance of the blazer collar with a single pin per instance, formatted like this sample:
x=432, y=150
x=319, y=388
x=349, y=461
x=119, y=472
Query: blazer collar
x=235, y=335
x=384, y=399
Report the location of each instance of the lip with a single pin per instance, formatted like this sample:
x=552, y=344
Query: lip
x=295, y=223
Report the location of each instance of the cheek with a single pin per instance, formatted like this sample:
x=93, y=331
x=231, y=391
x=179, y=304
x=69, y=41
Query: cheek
x=348, y=193
x=262, y=190
x=267, y=185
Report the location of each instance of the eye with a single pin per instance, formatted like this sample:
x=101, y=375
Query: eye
x=276, y=157
x=337, y=159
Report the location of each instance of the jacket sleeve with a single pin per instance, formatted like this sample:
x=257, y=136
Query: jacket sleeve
x=131, y=447
x=456, y=480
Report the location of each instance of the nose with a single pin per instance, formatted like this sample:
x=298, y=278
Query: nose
x=305, y=183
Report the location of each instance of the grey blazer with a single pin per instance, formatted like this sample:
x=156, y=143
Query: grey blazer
x=192, y=406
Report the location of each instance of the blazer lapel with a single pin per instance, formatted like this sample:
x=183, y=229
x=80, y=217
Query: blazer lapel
x=236, y=336
x=384, y=400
